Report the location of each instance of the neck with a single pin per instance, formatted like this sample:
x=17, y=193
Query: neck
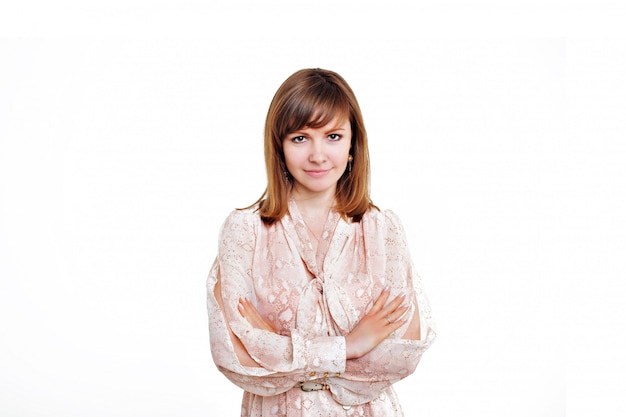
x=314, y=205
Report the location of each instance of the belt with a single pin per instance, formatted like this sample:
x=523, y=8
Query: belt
x=312, y=386
x=308, y=386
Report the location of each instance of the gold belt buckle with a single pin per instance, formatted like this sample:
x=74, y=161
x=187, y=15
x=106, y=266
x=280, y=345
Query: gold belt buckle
x=309, y=386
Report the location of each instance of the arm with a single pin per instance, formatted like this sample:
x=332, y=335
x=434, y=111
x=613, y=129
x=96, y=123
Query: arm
x=372, y=329
x=379, y=322
x=398, y=355
x=257, y=359
x=240, y=351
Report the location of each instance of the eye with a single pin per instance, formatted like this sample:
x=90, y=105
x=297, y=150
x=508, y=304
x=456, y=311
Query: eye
x=334, y=136
x=298, y=139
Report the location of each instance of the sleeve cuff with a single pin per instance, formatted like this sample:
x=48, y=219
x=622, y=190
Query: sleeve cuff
x=325, y=355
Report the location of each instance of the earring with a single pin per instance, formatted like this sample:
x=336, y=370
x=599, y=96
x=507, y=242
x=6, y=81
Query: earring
x=349, y=164
x=287, y=175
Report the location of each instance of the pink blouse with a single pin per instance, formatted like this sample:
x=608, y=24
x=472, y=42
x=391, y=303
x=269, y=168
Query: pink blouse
x=313, y=302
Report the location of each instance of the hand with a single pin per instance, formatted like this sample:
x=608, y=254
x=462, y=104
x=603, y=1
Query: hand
x=249, y=312
x=379, y=322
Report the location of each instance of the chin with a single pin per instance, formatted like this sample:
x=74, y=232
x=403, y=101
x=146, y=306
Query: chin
x=317, y=188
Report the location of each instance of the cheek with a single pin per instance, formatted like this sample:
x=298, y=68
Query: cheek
x=292, y=157
x=341, y=155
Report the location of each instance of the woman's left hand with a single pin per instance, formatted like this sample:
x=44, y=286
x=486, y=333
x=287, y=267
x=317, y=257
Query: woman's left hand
x=377, y=324
x=249, y=312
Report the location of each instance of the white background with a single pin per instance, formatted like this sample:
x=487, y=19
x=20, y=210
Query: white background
x=129, y=131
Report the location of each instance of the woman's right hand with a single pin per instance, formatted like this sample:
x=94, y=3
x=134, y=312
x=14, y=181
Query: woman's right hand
x=250, y=313
x=379, y=322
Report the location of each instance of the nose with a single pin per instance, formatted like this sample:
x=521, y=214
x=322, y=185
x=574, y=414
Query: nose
x=318, y=152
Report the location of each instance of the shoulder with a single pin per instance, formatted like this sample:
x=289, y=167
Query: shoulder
x=247, y=214
x=386, y=224
x=385, y=228
x=383, y=220
x=241, y=221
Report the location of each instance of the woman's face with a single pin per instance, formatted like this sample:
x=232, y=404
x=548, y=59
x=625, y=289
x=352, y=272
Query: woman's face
x=317, y=157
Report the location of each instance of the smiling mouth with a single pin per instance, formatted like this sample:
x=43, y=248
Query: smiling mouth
x=317, y=173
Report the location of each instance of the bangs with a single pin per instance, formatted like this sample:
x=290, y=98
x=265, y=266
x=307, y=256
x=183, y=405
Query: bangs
x=314, y=108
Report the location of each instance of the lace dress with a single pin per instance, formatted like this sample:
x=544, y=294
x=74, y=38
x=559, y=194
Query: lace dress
x=313, y=302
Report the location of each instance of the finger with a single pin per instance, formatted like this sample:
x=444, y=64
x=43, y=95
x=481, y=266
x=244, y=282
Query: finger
x=250, y=313
x=394, y=316
x=254, y=319
x=247, y=310
x=244, y=307
x=241, y=309
x=398, y=313
x=250, y=310
x=395, y=326
x=393, y=305
x=381, y=300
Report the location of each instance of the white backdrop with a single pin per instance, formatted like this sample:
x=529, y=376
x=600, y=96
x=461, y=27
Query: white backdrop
x=127, y=135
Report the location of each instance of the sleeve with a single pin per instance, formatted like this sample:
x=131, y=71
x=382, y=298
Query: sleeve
x=284, y=360
x=395, y=358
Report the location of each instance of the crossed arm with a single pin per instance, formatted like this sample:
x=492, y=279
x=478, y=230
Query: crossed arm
x=378, y=323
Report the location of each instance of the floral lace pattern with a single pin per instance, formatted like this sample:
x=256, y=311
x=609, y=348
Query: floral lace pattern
x=314, y=300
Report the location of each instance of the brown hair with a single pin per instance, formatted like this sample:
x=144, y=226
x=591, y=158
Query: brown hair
x=312, y=98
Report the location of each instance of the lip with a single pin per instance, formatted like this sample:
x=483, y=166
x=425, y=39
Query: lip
x=316, y=173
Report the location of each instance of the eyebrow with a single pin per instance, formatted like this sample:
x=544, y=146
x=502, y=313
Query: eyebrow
x=300, y=131
x=334, y=129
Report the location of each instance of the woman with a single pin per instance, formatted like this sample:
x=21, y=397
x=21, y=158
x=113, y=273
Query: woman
x=314, y=307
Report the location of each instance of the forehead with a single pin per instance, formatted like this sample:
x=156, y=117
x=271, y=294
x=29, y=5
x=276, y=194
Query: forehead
x=337, y=123
x=319, y=117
